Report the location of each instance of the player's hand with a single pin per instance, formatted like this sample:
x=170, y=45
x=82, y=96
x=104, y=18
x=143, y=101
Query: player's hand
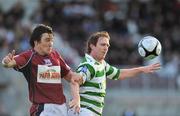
x=75, y=104
x=151, y=68
x=77, y=78
x=9, y=59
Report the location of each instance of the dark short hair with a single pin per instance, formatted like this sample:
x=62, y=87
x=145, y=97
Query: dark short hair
x=94, y=38
x=37, y=33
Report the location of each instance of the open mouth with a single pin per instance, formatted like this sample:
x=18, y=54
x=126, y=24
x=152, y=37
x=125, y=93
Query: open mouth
x=49, y=49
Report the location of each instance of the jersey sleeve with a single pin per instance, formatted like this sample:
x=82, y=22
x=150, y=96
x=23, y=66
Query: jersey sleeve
x=22, y=60
x=86, y=70
x=112, y=72
x=64, y=67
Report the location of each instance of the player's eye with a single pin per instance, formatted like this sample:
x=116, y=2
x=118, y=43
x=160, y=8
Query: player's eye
x=49, y=40
x=105, y=45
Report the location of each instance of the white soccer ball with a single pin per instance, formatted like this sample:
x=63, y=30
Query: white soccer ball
x=149, y=47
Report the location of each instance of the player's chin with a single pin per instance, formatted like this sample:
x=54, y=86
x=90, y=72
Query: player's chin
x=49, y=51
x=103, y=57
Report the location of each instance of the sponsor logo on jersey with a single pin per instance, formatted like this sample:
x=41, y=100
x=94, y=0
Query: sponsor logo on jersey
x=47, y=62
x=48, y=74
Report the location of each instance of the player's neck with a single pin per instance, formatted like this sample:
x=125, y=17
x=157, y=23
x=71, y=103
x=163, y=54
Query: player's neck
x=36, y=49
x=96, y=58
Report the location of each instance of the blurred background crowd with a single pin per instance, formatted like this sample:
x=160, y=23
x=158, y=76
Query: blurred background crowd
x=127, y=21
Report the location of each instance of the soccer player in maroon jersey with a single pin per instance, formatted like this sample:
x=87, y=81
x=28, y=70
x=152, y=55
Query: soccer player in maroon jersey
x=43, y=68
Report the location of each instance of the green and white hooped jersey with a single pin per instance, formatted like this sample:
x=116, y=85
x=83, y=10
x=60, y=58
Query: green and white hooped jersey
x=92, y=91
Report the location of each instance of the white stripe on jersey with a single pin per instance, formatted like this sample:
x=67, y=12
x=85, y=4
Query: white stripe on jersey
x=98, y=79
x=112, y=75
x=94, y=98
x=91, y=89
x=98, y=109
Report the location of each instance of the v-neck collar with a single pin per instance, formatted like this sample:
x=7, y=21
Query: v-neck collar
x=89, y=57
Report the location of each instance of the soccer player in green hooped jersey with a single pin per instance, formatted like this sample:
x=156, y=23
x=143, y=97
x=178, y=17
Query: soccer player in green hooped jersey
x=94, y=70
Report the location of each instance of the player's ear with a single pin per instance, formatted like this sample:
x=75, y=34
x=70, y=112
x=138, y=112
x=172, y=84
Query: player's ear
x=35, y=43
x=92, y=46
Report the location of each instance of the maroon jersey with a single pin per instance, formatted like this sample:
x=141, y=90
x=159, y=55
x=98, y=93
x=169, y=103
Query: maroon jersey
x=43, y=74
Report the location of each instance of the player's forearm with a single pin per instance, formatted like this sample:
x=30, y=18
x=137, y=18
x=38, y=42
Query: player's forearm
x=75, y=102
x=74, y=83
x=127, y=73
x=75, y=90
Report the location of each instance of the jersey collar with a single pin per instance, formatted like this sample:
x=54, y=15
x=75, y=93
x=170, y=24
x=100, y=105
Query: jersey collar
x=91, y=59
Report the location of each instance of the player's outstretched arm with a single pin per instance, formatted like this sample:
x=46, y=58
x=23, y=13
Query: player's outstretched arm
x=8, y=61
x=126, y=73
x=74, y=85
